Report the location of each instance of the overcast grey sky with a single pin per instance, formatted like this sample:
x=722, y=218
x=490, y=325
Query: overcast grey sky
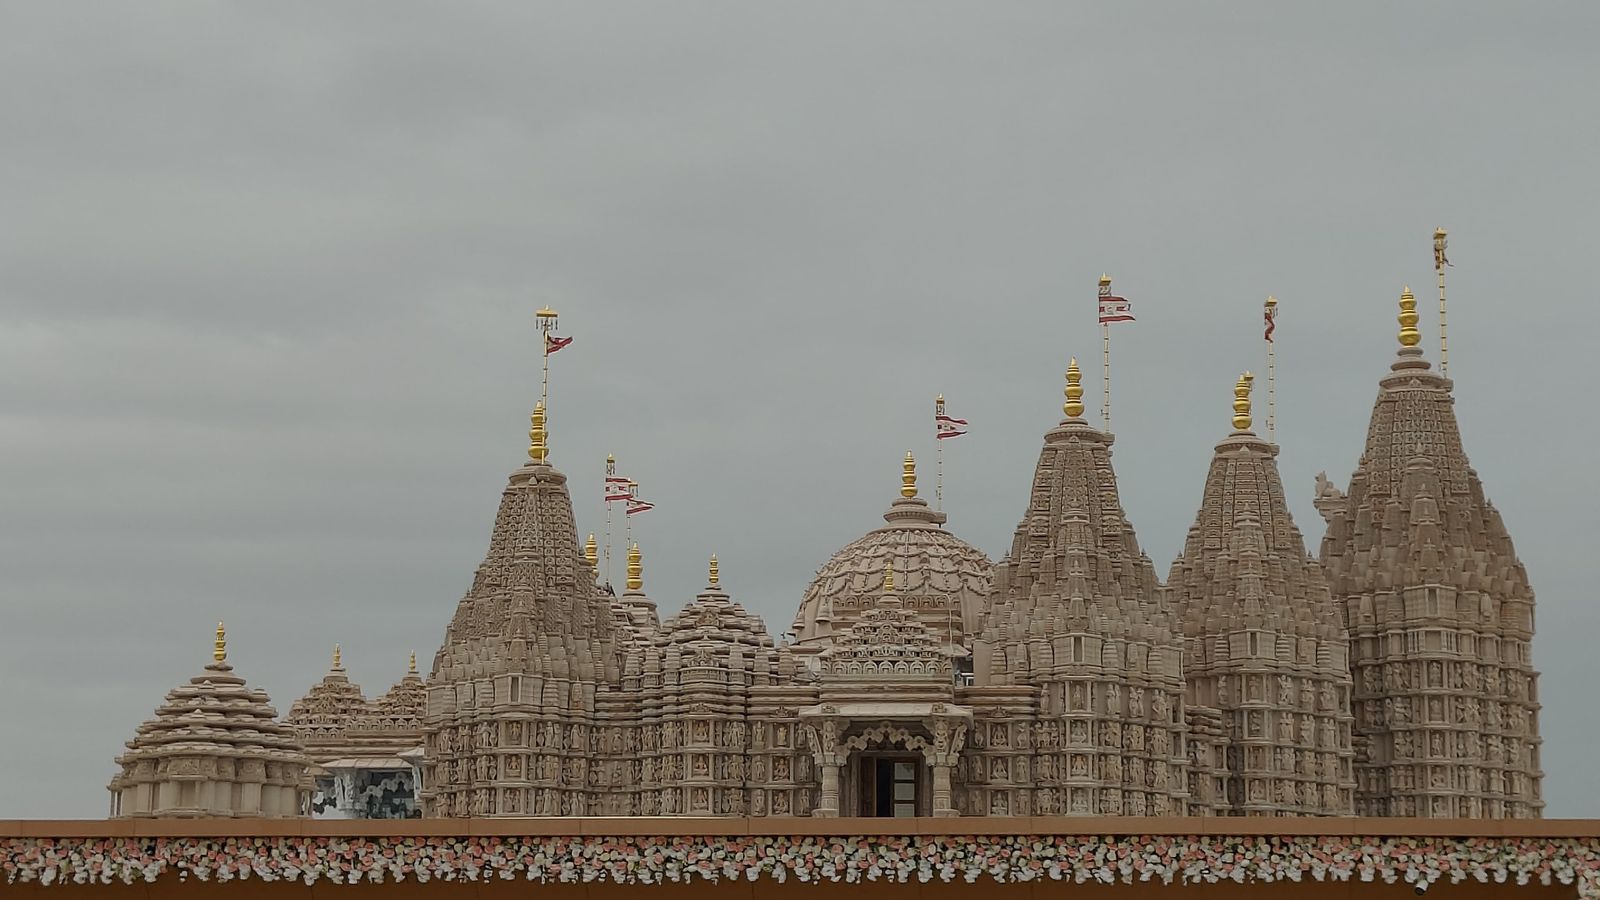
x=267, y=275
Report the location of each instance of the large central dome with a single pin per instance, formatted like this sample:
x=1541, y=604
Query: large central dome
x=942, y=578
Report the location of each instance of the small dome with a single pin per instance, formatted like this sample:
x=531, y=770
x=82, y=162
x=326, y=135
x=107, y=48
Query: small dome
x=940, y=577
x=214, y=748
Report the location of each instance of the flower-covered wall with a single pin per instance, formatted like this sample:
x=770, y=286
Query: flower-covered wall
x=283, y=864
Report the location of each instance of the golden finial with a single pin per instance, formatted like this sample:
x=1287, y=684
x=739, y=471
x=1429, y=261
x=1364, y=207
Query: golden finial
x=908, y=477
x=536, y=436
x=411, y=667
x=219, y=650
x=545, y=313
x=1241, y=402
x=1074, y=405
x=1104, y=279
x=636, y=568
x=591, y=552
x=1272, y=301
x=1409, y=335
x=712, y=571
x=336, y=656
x=888, y=578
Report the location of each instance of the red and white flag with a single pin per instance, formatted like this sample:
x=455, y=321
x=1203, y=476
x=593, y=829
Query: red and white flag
x=1112, y=307
x=947, y=427
x=618, y=489
x=636, y=506
x=553, y=344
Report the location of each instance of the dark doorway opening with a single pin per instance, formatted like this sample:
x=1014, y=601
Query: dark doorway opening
x=890, y=786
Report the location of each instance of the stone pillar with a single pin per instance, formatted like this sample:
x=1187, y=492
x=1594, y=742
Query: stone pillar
x=949, y=736
x=828, y=801
x=823, y=736
x=942, y=806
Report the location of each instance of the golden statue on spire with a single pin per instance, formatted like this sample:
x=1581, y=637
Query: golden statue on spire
x=591, y=552
x=1409, y=335
x=908, y=477
x=537, y=451
x=411, y=667
x=1074, y=391
x=712, y=571
x=636, y=568
x=336, y=660
x=1241, y=402
x=219, y=650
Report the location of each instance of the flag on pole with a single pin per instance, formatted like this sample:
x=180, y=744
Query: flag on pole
x=636, y=506
x=553, y=344
x=1439, y=259
x=1269, y=315
x=1112, y=307
x=618, y=489
x=947, y=427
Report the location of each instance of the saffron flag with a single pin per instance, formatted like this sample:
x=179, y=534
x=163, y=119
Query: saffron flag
x=618, y=489
x=553, y=344
x=946, y=427
x=1269, y=314
x=636, y=506
x=1112, y=307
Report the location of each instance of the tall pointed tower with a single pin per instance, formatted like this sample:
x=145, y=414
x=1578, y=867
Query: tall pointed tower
x=511, y=700
x=1077, y=618
x=1439, y=611
x=1265, y=647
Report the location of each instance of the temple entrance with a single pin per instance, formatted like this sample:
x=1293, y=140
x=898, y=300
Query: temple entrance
x=890, y=786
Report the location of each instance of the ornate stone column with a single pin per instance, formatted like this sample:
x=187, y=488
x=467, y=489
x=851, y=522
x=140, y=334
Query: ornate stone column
x=949, y=735
x=823, y=736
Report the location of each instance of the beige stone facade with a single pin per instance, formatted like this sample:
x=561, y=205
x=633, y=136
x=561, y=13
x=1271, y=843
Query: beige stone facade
x=1390, y=677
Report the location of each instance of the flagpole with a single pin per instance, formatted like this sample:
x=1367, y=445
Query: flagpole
x=547, y=324
x=1105, y=361
x=1272, y=372
x=627, y=517
x=611, y=469
x=1439, y=262
x=938, y=456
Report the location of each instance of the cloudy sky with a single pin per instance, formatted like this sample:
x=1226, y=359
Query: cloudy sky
x=267, y=276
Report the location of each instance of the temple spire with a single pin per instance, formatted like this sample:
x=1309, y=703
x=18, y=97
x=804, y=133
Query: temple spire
x=711, y=572
x=908, y=477
x=411, y=667
x=337, y=665
x=591, y=552
x=219, y=650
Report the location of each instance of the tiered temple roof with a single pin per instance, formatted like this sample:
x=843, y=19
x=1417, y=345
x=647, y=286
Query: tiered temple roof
x=214, y=748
